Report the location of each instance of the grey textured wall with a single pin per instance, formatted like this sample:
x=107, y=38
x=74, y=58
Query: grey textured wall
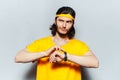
x=23, y=21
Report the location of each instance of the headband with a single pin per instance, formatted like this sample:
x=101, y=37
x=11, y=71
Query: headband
x=65, y=15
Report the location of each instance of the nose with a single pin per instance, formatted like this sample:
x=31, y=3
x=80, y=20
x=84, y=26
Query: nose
x=64, y=24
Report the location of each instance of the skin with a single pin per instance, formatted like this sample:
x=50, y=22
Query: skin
x=64, y=24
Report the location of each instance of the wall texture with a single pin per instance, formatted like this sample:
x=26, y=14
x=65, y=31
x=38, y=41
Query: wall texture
x=23, y=21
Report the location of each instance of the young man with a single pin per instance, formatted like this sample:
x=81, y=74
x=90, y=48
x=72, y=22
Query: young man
x=59, y=56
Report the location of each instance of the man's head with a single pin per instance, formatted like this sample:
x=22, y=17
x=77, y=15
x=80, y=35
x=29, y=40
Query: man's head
x=64, y=22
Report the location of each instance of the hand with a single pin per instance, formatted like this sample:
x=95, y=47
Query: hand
x=56, y=57
x=51, y=50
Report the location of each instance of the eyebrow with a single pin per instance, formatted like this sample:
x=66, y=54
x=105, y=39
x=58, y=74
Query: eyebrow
x=69, y=21
x=66, y=21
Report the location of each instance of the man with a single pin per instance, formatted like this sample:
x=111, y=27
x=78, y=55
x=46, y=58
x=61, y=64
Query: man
x=59, y=56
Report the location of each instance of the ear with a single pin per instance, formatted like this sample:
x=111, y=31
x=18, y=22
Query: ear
x=55, y=21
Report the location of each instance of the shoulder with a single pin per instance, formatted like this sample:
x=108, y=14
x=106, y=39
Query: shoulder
x=42, y=40
x=47, y=38
x=80, y=45
x=77, y=41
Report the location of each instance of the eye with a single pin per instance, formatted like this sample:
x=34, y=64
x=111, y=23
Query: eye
x=69, y=22
x=60, y=20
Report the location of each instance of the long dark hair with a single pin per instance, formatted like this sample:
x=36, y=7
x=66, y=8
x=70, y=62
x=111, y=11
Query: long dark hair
x=64, y=10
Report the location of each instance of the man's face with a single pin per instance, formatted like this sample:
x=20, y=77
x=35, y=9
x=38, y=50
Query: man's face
x=64, y=24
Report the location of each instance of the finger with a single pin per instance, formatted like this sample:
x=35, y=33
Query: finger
x=59, y=48
x=56, y=56
x=51, y=50
x=52, y=58
x=58, y=59
x=62, y=50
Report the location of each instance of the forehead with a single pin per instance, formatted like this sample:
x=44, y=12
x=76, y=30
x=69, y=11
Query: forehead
x=64, y=18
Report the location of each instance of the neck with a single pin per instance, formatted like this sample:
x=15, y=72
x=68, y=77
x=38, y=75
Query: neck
x=64, y=36
x=59, y=41
x=61, y=37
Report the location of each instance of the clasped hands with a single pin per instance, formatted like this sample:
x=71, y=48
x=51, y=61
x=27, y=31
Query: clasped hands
x=54, y=54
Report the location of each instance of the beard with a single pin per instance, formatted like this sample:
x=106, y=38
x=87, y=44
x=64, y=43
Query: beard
x=62, y=35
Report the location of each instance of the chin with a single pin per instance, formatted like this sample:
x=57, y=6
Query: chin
x=62, y=33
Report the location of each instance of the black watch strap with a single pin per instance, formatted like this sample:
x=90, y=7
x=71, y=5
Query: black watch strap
x=65, y=57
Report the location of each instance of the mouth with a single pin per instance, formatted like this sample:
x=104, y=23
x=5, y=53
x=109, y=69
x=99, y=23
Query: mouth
x=65, y=30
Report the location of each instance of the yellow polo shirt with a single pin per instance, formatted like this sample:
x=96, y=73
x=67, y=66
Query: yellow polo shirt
x=64, y=70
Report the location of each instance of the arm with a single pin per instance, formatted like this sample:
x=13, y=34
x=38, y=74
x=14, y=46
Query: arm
x=87, y=60
x=24, y=56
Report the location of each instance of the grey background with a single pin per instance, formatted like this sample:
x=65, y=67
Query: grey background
x=23, y=21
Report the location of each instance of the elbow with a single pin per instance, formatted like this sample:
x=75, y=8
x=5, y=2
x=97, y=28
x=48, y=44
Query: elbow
x=17, y=60
x=96, y=64
x=21, y=57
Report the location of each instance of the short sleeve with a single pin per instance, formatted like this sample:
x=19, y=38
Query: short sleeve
x=84, y=48
x=34, y=46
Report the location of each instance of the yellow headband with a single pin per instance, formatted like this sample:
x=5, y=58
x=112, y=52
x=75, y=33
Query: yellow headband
x=65, y=15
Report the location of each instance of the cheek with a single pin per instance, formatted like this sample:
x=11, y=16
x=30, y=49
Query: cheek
x=69, y=27
x=59, y=24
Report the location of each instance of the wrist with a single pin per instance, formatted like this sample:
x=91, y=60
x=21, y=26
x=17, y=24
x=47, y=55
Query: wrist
x=44, y=54
x=65, y=56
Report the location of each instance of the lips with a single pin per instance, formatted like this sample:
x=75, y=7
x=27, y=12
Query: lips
x=63, y=29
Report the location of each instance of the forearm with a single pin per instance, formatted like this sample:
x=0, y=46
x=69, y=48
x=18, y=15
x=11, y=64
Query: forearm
x=25, y=56
x=86, y=61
